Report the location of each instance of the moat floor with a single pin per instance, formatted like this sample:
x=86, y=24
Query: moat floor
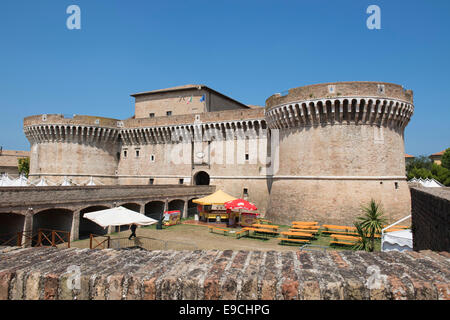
x=193, y=237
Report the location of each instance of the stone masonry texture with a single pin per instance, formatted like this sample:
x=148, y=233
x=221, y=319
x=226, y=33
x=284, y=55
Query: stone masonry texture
x=431, y=218
x=135, y=274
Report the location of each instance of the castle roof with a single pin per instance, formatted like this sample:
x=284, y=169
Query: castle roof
x=184, y=88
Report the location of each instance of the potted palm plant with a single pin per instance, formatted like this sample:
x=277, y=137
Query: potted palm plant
x=371, y=222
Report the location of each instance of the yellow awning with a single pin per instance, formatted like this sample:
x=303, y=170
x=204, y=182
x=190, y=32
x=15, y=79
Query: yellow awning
x=218, y=197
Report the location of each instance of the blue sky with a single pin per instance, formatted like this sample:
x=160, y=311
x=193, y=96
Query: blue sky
x=248, y=50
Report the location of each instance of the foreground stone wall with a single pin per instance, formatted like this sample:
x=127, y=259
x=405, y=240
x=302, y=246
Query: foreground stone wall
x=43, y=273
x=430, y=218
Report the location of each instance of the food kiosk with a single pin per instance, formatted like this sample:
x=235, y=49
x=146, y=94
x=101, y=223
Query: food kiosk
x=172, y=217
x=211, y=209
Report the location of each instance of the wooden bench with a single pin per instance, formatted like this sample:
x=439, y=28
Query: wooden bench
x=264, y=220
x=342, y=237
x=342, y=242
x=310, y=223
x=265, y=226
x=212, y=229
x=297, y=226
x=304, y=230
x=298, y=234
x=282, y=240
x=241, y=233
x=261, y=230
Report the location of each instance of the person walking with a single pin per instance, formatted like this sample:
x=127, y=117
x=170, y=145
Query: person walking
x=133, y=231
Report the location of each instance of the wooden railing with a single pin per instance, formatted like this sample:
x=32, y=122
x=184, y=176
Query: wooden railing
x=94, y=243
x=48, y=237
x=43, y=238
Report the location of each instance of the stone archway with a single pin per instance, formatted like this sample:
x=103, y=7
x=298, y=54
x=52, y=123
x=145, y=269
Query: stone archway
x=154, y=209
x=201, y=178
x=10, y=225
x=53, y=219
x=177, y=204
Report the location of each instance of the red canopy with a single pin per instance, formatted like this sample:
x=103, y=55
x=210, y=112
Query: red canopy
x=240, y=204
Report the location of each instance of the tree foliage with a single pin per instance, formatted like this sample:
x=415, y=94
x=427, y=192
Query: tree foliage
x=423, y=167
x=445, y=161
x=24, y=166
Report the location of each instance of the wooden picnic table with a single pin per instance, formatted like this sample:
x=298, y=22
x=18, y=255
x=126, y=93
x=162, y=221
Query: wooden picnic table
x=304, y=230
x=261, y=230
x=342, y=237
x=298, y=226
x=330, y=226
x=264, y=226
x=305, y=222
x=297, y=234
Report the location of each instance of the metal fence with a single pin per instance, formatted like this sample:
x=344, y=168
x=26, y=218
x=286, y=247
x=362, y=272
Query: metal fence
x=147, y=243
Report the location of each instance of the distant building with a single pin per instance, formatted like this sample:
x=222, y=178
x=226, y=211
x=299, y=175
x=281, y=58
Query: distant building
x=436, y=157
x=409, y=158
x=9, y=161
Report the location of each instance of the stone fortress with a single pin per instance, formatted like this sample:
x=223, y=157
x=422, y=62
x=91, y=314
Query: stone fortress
x=317, y=152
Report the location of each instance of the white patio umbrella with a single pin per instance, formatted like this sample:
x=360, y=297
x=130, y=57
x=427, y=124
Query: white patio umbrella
x=119, y=216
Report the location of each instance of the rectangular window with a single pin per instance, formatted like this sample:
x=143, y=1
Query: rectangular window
x=396, y=185
x=169, y=113
x=152, y=158
x=125, y=153
x=137, y=153
x=246, y=156
x=151, y=115
x=245, y=192
x=181, y=181
x=151, y=181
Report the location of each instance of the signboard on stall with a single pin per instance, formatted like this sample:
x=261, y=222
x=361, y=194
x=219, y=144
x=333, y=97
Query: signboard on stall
x=172, y=217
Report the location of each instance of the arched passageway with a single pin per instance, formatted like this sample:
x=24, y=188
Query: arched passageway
x=53, y=219
x=154, y=209
x=10, y=225
x=192, y=208
x=177, y=205
x=87, y=226
x=132, y=206
x=201, y=178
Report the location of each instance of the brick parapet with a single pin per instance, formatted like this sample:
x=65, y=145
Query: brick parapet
x=430, y=211
x=342, y=89
x=42, y=273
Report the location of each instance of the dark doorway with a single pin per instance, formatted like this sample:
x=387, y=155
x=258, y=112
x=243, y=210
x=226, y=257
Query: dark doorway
x=201, y=178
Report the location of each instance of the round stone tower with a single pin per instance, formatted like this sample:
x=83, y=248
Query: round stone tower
x=340, y=145
x=76, y=148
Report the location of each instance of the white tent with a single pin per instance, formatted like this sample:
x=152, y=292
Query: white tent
x=5, y=181
x=91, y=182
x=397, y=240
x=66, y=182
x=42, y=183
x=428, y=183
x=21, y=181
x=119, y=216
